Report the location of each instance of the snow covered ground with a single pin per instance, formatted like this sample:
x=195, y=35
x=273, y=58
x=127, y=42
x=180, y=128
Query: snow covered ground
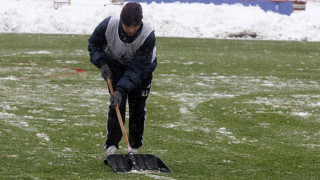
x=169, y=20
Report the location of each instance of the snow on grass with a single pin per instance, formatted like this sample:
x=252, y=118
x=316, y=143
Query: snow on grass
x=25, y=124
x=66, y=149
x=159, y=177
x=264, y=124
x=16, y=120
x=10, y=78
x=72, y=62
x=228, y=134
x=188, y=63
x=190, y=97
x=315, y=104
x=184, y=110
x=43, y=136
x=59, y=105
x=171, y=125
x=34, y=111
x=268, y=84
x=38, y=52
x=302, y=114
x=201, y=84
x=8, y=107
x=12, y=156
x=244, y=85
x=4, y=113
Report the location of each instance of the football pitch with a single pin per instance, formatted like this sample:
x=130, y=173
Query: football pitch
x=218, y=109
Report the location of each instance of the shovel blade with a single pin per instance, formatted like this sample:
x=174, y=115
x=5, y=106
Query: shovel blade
x=121, y=163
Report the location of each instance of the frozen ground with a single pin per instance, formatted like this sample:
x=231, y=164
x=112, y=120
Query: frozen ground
x=171, y=20
x=54, y=111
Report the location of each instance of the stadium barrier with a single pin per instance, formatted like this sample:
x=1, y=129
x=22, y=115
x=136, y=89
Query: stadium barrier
x=299, y=5
x=58, y=4
x=286, y=7
x=117, y=2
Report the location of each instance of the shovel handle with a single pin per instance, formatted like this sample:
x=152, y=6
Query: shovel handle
x=119, y=117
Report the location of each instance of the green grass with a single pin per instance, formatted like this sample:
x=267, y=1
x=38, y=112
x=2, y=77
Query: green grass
x=219, y=109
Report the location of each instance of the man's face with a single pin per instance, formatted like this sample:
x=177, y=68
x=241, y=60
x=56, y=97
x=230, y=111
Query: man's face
x=130, y=30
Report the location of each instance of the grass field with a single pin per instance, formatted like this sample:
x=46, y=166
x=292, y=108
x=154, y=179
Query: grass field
x=219, y=109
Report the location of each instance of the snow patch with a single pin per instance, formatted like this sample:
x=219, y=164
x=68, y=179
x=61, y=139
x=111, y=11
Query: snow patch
x=12, y=156
x=72, y=62
x=184, y=110
x=170, y=125
x=315, y=104
x=4, y=113
x=302, y=114
x=66, y=149
x=159, y=177
x=8, y=107
x=10, y=78
x=43, y=136
x=224, y=132
x=38, y=52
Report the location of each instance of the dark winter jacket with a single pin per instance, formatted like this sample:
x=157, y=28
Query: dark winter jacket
x=141, y=66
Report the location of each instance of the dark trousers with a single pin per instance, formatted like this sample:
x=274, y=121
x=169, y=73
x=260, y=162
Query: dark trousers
x=137, y=100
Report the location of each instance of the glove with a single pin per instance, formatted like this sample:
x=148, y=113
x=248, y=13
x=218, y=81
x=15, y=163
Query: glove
x=115, y=99
x=105, y=72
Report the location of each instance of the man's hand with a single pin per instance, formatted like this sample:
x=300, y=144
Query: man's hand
x=115, y=99
x=105, y=72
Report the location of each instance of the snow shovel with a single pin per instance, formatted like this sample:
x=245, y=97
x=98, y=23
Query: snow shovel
x=122, y=163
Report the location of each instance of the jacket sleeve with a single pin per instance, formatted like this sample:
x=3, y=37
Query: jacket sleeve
x=97, y=44
x=141, y=67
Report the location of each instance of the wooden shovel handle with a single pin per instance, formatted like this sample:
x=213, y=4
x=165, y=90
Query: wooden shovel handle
x=119, y=118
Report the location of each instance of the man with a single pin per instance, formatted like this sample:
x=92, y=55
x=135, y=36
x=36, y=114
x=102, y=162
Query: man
x=123, y=47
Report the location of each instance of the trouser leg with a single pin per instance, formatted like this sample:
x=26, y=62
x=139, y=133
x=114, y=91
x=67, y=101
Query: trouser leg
x=114, y=133
x=137, y=114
